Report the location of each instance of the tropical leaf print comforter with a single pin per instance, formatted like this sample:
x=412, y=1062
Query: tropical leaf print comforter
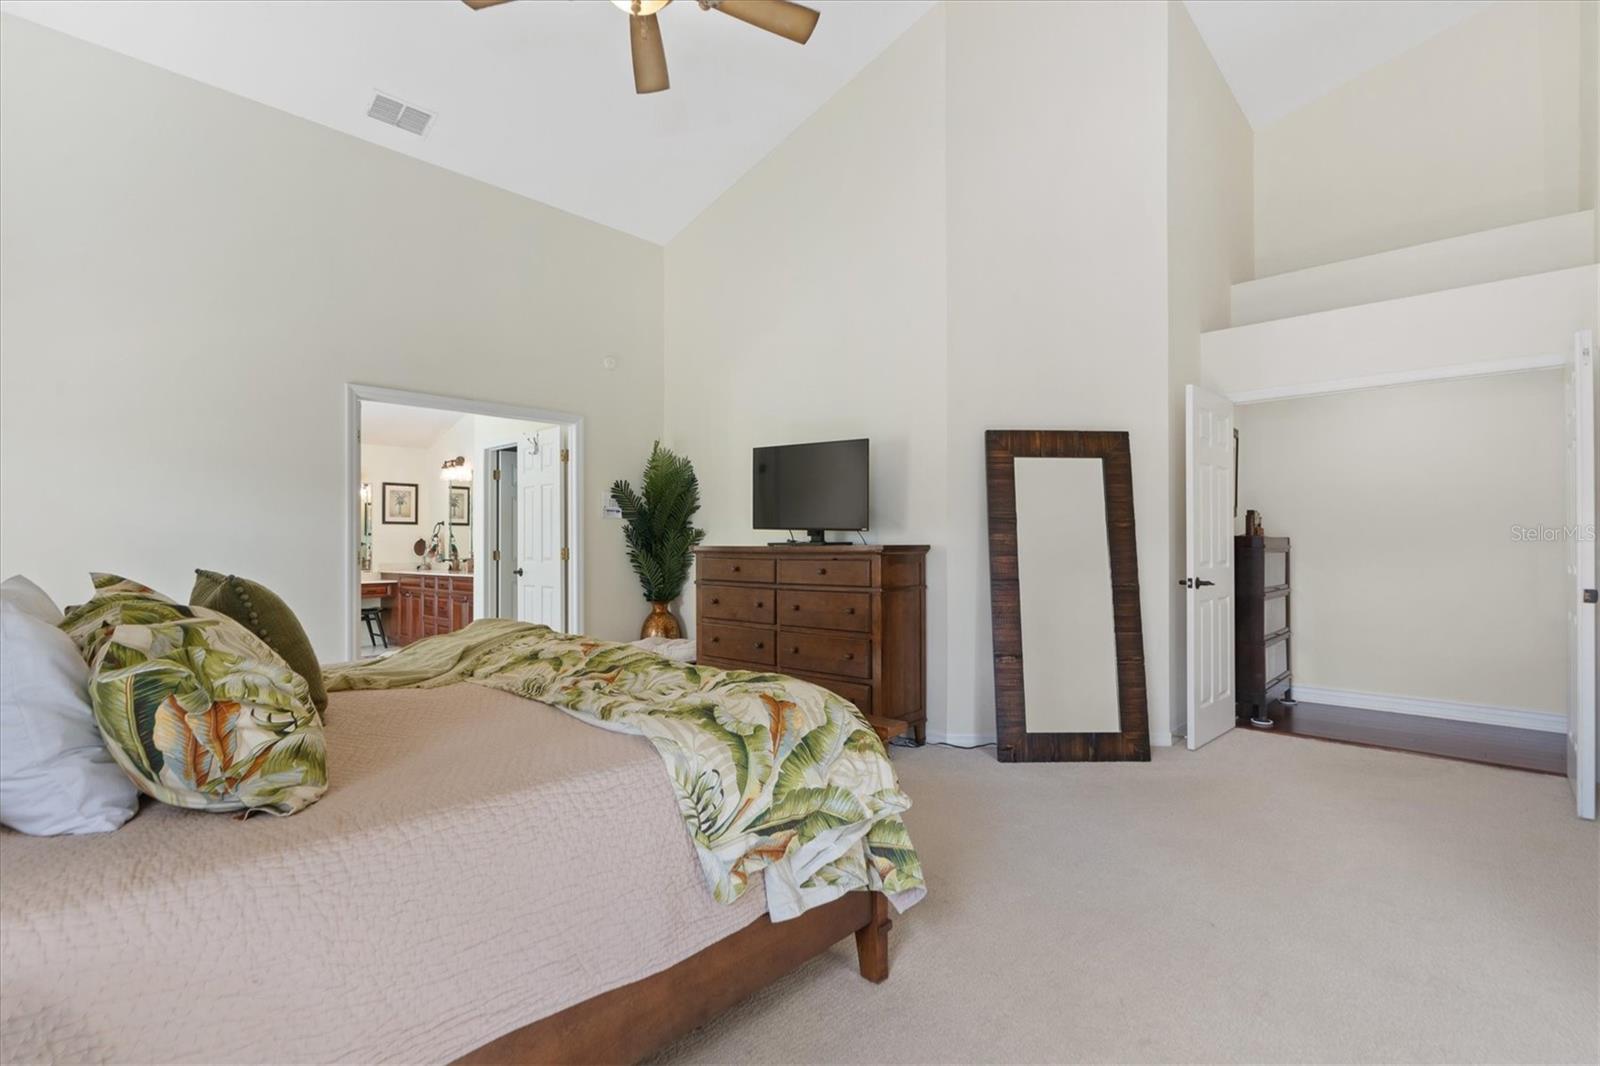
x=772, y=773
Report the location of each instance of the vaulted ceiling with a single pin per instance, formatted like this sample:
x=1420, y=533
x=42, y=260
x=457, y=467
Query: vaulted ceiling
x=535, y=97
x=1277, y=56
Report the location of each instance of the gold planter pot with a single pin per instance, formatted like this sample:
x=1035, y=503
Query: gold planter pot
x=661, y=622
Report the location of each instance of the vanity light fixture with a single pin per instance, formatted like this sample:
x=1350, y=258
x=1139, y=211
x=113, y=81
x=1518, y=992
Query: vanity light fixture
x=455, y=469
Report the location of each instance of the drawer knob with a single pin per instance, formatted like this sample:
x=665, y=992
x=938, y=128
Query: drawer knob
x=794, y=651
x=797, y=606
x=760, y=604
x=759, y=645
x=736, y=569
x=849, y=655
x=847, y=610
x=715, y=601
x=822, y=569
x=716, y=640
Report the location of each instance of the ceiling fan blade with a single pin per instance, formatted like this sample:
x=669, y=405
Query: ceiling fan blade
x=649, y=55
x=479, y=5
x=794, y=21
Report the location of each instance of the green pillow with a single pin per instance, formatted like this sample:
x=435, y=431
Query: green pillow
x=264, y=613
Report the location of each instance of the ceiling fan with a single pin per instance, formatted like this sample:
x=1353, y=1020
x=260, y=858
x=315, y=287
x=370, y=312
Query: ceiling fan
x=781, y=17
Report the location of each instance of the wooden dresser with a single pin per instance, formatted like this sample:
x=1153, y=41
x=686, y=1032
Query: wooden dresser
x=427, y=604
x=852, y=618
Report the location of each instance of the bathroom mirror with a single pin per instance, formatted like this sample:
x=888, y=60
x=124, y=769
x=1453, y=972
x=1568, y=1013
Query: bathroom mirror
x=1064, y=591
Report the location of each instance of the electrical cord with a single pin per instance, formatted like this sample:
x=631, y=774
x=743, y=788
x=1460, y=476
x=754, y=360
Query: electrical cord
x=906, y=743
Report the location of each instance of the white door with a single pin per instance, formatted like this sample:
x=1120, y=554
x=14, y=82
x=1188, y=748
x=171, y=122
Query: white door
x=1208, y=511
x=1580, y=571
x=503, y=528
x=541, y=531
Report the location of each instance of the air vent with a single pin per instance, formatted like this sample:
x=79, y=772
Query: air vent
x=413, y=121
x=396, y=113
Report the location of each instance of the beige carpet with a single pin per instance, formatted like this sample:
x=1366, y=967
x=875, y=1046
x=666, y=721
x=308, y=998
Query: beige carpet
x=1264, y=899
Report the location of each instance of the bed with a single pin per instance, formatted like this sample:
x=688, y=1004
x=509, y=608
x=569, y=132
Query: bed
x=489, y=878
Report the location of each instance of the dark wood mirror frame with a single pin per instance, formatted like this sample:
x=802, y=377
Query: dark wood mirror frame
x=1015, y=743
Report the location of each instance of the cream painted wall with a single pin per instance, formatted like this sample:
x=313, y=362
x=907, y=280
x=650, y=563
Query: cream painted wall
x=392, y=543
x=1057, y=229
x=180, y=324
x=808, y=304
x=950, y=245
x=1402, y=503
x=1210, y=245
x=1589, y=111
x=460, y=439
x=1414, y=151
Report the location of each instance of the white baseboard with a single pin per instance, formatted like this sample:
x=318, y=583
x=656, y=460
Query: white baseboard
x=1543, y=721
x=978, y=740
x=961, y=740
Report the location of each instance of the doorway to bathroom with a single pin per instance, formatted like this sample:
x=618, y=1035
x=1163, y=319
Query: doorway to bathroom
x=463, y=510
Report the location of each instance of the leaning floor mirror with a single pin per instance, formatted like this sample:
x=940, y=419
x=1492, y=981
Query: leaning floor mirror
x=1069, y=675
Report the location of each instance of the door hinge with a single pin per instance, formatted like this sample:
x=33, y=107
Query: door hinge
x=565, y=455
x=495, y=476
x=495, y=555
x=563, y=555
x=1591, y=595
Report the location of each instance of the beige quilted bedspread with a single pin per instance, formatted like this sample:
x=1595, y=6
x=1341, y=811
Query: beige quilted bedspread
x=479, y=862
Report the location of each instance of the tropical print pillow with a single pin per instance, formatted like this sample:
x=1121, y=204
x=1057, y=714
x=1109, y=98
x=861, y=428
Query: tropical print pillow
x=197, y=710
x=116, y=600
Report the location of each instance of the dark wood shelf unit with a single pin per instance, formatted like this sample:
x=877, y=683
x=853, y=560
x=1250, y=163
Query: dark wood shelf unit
x=1260, y=679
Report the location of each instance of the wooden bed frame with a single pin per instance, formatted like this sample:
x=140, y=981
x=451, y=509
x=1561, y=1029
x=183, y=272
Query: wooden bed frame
x=626, y=1024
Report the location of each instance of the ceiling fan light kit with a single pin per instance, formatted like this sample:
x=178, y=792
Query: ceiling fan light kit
x=782, y=17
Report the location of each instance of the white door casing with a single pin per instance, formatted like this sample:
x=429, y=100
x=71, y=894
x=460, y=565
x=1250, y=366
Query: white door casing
x=1208, y=575
x=1580, y=572
x=541, y=530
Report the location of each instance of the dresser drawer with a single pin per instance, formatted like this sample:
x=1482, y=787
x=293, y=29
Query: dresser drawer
x=734, y=568
x=802, y=652
x=857, y=572
x=850, y=611
x=755, y=646
x=860, y=695
x=736, y=603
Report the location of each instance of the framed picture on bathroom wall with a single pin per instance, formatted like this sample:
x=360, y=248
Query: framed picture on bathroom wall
x=461, y=505
x=399, y=503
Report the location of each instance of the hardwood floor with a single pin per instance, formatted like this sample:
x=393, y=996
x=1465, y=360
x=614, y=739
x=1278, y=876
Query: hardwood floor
x=1517, y=749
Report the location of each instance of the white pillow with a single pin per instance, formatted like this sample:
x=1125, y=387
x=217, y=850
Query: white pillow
x=55, y=773
x=20, y=592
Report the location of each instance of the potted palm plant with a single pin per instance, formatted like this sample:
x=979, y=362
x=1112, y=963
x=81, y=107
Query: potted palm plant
x=661, y=538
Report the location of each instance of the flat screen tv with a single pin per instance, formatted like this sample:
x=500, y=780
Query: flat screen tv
x=814, y=487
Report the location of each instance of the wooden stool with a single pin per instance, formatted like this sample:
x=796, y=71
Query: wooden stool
x=371, y=615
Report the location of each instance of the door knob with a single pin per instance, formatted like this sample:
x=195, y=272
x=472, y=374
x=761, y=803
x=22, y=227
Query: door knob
x=518, y=571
